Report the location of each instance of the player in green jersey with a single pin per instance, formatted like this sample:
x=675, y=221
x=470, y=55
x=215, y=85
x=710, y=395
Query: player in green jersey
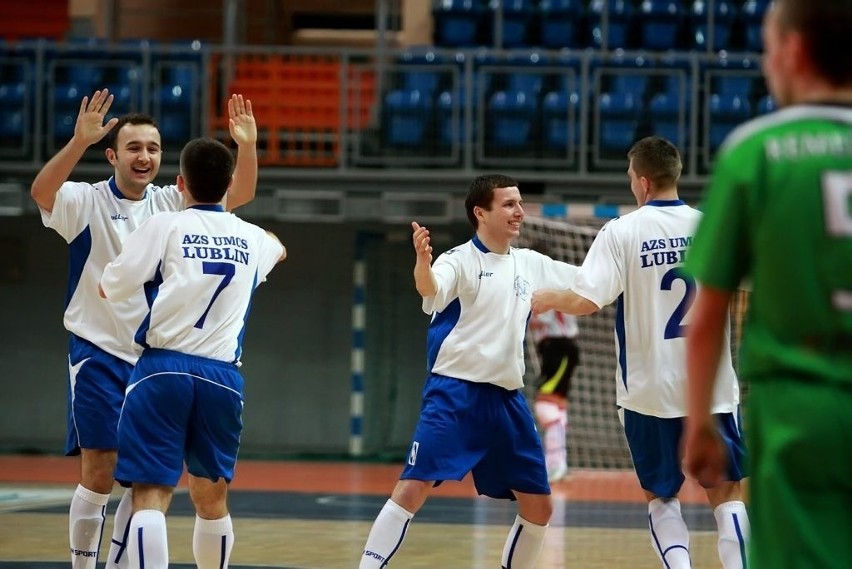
x=779, y=213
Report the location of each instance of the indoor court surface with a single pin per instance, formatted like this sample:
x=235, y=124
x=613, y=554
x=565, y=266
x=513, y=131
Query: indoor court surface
x=316, y=515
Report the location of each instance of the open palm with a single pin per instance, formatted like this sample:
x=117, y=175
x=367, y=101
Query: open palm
x=241, y=120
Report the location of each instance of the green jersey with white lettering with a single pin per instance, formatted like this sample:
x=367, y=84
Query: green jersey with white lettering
x=779, y=213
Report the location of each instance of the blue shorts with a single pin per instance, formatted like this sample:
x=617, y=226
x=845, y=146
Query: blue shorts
x=479, y=428
x=179, y=408
x=96, y=384
x=655, y=448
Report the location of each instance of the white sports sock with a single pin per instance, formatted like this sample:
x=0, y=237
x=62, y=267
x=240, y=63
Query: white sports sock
x=212, y=542
x=86, y=526
x=117, y=558
x=734, y=530
x=523, y=545
x=669, y=535
x=386, y=536
x=148, y=543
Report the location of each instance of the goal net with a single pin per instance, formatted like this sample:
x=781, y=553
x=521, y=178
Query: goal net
x=595, y=437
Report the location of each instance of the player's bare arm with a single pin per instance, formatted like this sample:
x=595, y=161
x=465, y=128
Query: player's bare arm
x=566, y=301
x=705, y=454
x=243, y=130
x=424, y=280
x=89, y=129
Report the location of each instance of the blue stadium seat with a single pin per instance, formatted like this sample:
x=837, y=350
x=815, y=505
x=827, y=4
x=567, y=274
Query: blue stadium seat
x=669, y=119
x=724, y=16
x=752, y=19
x=623, y=73
x=68, y=97
x=620, y=18
x=63, y=125
x=660, y=21
x=511, y=119
x=414, y=65
x=678, y=78
x=87, y=76
x=408, y=115
x=451, y=129
x=517, y=19
x=457, y=22
x=12, y=124
x=766, y=104
x=12, y=94
x=525, y=77
x=174, y=97
x=560, y=120
x=619, y=118
x=559, y=25
x=174, y=128
x=734, y=75
x=727, y=111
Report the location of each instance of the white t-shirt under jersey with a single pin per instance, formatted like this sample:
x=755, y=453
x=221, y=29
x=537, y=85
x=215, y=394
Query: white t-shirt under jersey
x=481, y=308
x=95, y=220
x=199, y=267
x=636, y=260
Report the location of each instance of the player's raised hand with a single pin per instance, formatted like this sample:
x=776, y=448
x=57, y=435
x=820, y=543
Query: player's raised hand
x=421, y=240
x=241, y=121
x=90, y=127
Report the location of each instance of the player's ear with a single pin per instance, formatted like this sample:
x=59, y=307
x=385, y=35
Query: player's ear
x=111, y=157
x=180, y=183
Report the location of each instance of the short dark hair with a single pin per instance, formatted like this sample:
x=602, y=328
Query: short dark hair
x=207, y=166
x=658, y=160
x=481, y=193
x=825, y=26
x=130, y=118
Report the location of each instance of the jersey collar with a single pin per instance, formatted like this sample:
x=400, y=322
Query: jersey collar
x=479, y=244
x=665, y=203
x=208, y=207
x=116, y=192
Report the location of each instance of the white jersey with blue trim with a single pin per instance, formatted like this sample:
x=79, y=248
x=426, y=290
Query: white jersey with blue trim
x=95, y=220
x=636, y=260
x=481, y=308
x=199, y=268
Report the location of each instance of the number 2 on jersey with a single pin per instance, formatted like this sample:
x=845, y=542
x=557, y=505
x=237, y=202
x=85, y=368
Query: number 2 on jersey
x=226, y=270
x=675, y=327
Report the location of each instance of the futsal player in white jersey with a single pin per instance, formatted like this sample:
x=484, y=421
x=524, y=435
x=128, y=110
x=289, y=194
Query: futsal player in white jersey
x=636, y=261
x=474, y=417
x=95, y=219
x=199, y=268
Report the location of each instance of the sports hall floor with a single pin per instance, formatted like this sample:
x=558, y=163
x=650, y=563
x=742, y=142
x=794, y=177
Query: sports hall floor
x=316, y=515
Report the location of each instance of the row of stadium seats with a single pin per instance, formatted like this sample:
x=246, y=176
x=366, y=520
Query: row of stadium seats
x=518, y=120
x=644, y=24
x=641, y=74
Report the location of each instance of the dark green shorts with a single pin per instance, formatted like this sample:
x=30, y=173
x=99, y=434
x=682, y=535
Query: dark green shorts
x=799, y=438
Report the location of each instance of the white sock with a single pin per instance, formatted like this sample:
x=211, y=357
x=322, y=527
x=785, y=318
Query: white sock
x=148, y=543
x=212, y=542
x=523, y=545
x=552, y=420
x=86, y=526
x=117, y=558
x=669, y=535
x=386, y=536
x=734, y=531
